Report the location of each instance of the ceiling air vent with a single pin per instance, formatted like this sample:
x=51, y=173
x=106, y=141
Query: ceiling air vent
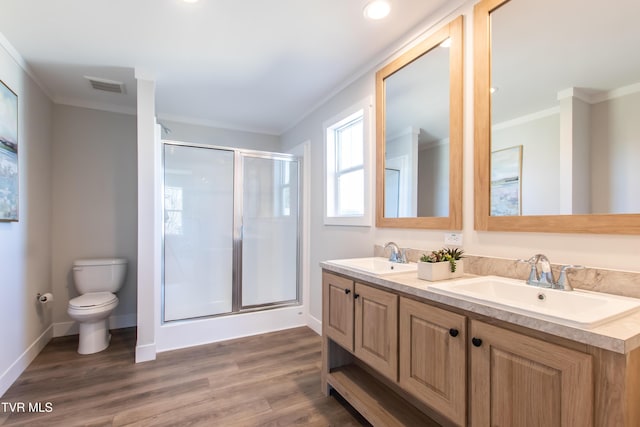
x=106, y=85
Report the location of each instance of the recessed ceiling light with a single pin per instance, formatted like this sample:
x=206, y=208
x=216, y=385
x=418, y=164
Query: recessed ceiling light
x=446, y=43
x=190, y=1
x=377, y=9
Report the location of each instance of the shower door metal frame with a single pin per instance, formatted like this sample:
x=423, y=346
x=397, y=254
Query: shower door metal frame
x=238, y=178
x=241, y=154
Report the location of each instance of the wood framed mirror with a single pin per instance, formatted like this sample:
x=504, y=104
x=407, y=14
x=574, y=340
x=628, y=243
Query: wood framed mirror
x=419, y=104
x=562, y=94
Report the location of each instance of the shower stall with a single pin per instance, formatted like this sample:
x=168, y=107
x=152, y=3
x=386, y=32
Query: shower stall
x=231, y=239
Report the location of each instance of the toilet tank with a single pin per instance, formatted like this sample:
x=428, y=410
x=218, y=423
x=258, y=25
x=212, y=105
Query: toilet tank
x=99, y=275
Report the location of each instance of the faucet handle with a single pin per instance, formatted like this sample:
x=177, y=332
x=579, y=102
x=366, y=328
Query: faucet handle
x=533, y=273
x=563, y=280
x=403, y=256
x=531, y=261
x=571, y=267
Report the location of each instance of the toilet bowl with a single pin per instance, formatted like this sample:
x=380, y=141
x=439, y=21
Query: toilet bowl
x=96, y=280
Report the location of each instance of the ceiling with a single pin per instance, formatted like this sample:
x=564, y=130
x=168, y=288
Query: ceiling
x=257, y=65
x=540, y=48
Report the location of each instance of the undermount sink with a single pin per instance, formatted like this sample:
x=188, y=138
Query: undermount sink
x=579, y=308
x=375, y=265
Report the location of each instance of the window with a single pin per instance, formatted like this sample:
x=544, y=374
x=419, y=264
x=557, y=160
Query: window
x=347, y=166
x=173, y=211
x=283, y=178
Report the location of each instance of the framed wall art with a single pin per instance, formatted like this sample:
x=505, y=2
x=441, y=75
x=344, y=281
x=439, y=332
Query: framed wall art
x=8, y=154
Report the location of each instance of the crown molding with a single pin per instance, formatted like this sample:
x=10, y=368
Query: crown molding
x=15, y=55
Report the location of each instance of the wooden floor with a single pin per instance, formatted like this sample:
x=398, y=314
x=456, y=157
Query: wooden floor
x=266, y=380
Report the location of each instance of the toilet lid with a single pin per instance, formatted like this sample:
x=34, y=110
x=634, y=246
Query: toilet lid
x=93, y=299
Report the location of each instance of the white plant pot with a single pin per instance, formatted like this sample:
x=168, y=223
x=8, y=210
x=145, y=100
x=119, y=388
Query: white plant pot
x=434, y=271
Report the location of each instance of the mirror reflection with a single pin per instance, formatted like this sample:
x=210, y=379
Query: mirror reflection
x=417, y=137
x=565, y=107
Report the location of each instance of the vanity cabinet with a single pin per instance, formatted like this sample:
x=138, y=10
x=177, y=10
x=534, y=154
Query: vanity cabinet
x=433, y=363
x=362, y=320
x=405, y=360
x=517, y=380
x=337, y=316
x=376, y=329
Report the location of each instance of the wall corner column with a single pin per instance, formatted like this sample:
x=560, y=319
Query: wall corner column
x=575, y=146
x=148, y=217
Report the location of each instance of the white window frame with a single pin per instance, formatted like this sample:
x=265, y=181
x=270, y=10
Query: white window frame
x=364, y=108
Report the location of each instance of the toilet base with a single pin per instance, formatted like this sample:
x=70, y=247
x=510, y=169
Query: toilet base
x=94, y=337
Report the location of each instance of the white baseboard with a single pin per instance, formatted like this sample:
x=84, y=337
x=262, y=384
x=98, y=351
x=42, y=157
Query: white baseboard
x=13, y=372
x=145, y=353
x=315, y=324
x=63, y=329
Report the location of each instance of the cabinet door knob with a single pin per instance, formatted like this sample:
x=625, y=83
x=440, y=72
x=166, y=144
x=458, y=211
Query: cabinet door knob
x=477, y=342
x=355, y=296
x=347, y=291
x=453, y=332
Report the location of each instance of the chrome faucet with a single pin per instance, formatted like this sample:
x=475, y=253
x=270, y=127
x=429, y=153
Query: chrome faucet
x=563, y=280
x=397, y=255
x=544, y=278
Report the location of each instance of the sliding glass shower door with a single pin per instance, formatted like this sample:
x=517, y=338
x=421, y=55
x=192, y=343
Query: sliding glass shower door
x=231, y=220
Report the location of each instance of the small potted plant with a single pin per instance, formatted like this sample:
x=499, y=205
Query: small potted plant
x=442, y=264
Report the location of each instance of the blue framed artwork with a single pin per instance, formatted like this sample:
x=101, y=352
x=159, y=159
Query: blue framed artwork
x=8, y=154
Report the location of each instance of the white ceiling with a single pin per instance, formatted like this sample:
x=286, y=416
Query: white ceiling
x=257, y=65
x=543, y=47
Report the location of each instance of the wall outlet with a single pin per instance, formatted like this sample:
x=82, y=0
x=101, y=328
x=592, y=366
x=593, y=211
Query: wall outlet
x=453, y=239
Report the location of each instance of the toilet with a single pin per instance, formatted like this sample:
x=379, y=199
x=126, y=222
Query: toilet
x=96, y=280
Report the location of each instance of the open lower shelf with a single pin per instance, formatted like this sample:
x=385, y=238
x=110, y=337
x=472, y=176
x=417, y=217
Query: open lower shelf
x=379, y=404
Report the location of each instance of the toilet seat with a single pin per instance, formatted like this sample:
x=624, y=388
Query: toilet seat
x=93, y=300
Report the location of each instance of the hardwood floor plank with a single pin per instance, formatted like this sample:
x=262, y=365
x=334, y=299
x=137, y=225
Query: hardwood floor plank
x=265, y=380
x=208, y=414
x=159, y=408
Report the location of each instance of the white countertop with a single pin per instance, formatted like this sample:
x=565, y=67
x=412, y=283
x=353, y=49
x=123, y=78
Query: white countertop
x=620, y=335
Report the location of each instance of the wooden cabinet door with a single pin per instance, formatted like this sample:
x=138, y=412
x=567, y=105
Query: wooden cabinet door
x=522, y=381
x=376, y=329
x=433, y=364
x=337, y=309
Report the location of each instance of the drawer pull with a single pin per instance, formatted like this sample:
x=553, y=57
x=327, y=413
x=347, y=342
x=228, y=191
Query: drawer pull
x=477, y=342
x=453, y=332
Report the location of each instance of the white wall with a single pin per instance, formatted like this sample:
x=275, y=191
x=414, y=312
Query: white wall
x=25, y=246
x=615, y=144
x=604, y=251
x=94, y=203
x=328, y=242
x=186, y=132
